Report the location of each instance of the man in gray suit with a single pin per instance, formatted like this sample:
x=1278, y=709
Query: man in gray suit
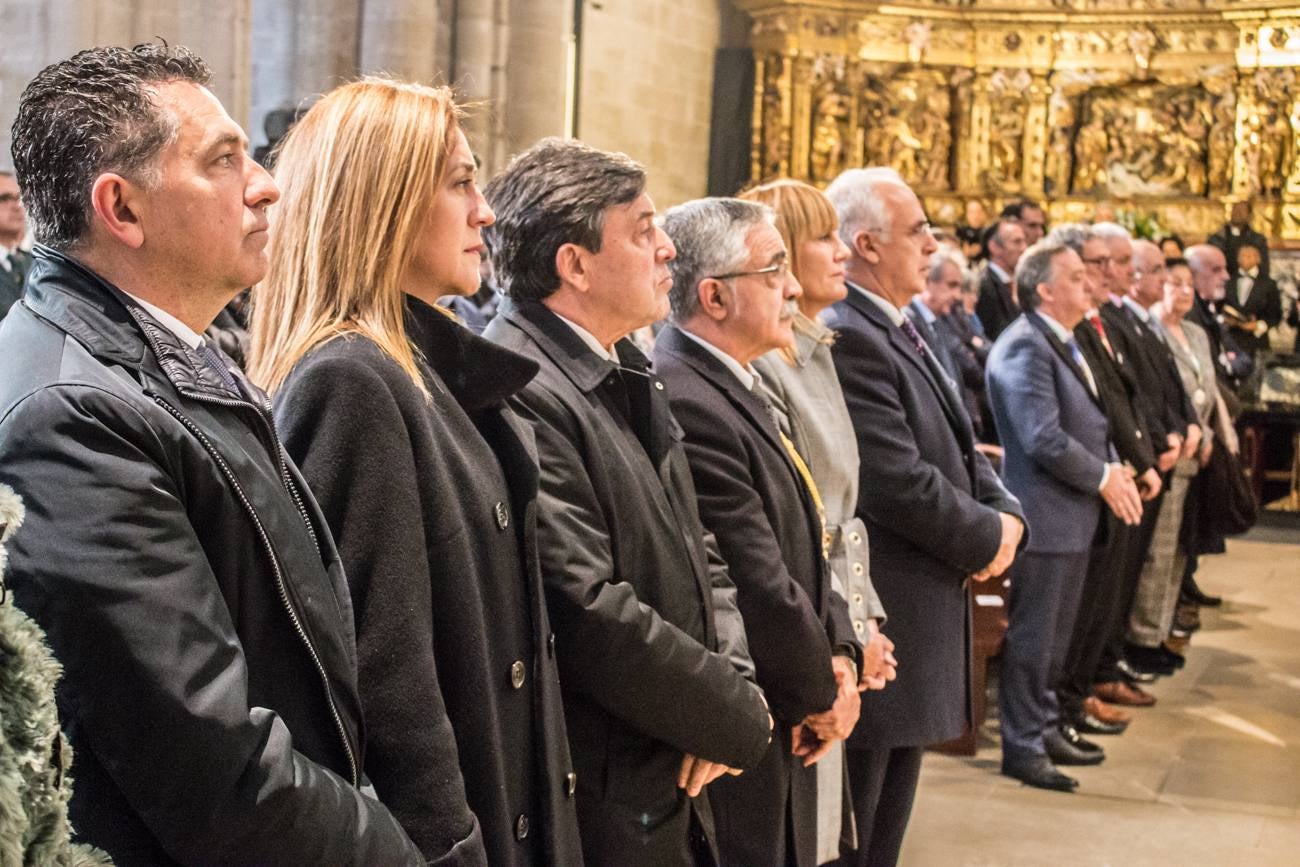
x=1059, y=461
x=15, y=262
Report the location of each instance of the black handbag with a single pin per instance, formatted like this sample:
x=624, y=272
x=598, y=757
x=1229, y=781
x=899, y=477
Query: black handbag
x=1227, y=504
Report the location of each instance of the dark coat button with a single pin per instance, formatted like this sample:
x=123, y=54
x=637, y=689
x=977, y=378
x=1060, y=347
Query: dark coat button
x=503, y=517
x=570, y=783
x=517, y=674
x=521, y=827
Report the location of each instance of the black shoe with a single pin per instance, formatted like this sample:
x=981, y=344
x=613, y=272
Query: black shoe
x=1091, y=725
x=1132, y=675
x=1072, y=737
x=1039, y=773
x=1173, y=659
x=1194, y=594
x=1148, y=659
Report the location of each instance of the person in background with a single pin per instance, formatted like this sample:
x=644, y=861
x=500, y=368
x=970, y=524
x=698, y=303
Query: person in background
x=1030, y=215
x=185, y=575
x=1171, y=246
x=1237, y=233
x=397, y=415
x=805, y=390
x=1253, y=306
x=997, y=304
x=972, y=230
x=15, y=262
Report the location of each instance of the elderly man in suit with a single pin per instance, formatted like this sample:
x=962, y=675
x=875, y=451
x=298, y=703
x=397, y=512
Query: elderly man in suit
x=1059, y=461
x=651, y=648
x=920, y=471
x=733, y=300
x=997, y=304
x=15, y=262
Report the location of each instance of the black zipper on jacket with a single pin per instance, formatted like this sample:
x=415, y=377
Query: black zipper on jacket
x=270, y=550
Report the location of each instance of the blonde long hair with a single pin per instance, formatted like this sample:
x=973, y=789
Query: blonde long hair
x=357, y=176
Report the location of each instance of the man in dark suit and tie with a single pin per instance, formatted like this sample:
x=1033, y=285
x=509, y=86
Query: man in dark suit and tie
x=1238, y=233
x=935, y=511
x=733, y=300
x=1059, y=461
x=1256, y=304
x=15, y=262
x=997, y=304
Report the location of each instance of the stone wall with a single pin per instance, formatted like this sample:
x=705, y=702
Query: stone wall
x=647, y=85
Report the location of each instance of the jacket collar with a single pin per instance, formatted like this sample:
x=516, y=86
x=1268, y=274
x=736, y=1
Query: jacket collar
x=478, y=373
x=1049, y=334
x=565, y=348
x=111, y=325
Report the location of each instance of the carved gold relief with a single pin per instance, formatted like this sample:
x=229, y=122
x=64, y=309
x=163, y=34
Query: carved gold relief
x=1172, y=107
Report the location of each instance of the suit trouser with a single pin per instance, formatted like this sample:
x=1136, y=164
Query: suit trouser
x=1107, y=669
x=1045, y=591
x=884, y=786
x=1100, y=607
x=1152, y=614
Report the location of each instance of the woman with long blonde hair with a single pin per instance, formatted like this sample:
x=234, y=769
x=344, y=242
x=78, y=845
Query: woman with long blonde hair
x=396, y=414
x=802, y=384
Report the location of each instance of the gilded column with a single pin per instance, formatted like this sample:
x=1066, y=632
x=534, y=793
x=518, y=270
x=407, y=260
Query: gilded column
x=1036, y=134
x=800, y=119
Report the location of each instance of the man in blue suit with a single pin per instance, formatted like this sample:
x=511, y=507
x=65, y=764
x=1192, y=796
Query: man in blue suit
x=1060, y=463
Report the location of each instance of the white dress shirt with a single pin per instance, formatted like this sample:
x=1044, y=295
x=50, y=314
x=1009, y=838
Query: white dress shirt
x=186, y=334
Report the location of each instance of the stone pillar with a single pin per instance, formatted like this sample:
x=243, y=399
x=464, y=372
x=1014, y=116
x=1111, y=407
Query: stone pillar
x=1034, y=145
x=398, y=37
x=538, y=78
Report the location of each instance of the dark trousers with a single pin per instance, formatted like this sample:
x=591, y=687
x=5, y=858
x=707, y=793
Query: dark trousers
x=1101, y=606
x=883, y=784
x=1045, y=590
x=1113, y=651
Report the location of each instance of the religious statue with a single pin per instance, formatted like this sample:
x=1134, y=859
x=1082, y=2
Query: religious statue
x=1091, y=148
x=830, y=127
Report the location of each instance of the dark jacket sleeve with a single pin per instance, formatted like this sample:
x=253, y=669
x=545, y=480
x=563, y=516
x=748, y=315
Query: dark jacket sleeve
x=109, y=564
x=899, y=488
x=727, y=622
x=649, y=673
x=791, y=649
x=342, y=424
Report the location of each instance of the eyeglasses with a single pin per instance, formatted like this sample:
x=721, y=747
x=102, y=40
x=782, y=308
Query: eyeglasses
x=780, y=269
x=8, y=198
x=1099, y=261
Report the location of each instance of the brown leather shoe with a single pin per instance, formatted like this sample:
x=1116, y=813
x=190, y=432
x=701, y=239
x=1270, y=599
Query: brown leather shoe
x=1119, y=692
x=1106, y=712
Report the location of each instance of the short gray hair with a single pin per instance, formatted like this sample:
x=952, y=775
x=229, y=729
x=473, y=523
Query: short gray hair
x=1035, y=267
x=1111, y=230
x=710, y=238
x=942, y=257
x=1072, y=235
x=855, y=194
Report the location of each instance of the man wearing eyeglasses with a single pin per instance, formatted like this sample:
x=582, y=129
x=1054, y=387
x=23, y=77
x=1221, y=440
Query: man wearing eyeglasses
x=733, y=300
x=15, y=262
x=935, y=511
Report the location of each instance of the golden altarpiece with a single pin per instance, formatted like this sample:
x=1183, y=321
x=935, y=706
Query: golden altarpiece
x=1167, y=108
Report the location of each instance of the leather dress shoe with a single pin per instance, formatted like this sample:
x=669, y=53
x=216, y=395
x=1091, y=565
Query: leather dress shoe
x=1133, y=675
x=1089, y=724
x=1194, y=594
x=1040, y=773
x=1105, y=712
x=1173, y=658
x=1149, y=659
x=1119, y=692
x=1065, y=746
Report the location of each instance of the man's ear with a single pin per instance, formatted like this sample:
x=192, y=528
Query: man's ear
x=116, y=202
x=865, y=248
x=572, y=267
x=715, y=302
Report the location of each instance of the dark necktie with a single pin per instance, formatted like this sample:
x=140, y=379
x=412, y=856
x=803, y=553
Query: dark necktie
x=913, y=335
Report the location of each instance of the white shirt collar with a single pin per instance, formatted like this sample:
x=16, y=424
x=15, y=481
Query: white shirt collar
x=186, y=334
x=590, y=339
x=747, y=375
x=1252, y=274
x=1057, y=328
x=895, y=315
x=1144, y=315
x=997, y=269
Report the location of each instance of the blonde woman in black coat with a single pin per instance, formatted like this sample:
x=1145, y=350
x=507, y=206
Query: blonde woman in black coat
x=396, y=414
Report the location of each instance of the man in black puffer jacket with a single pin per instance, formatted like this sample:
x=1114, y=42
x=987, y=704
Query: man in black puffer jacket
x=184, y=575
